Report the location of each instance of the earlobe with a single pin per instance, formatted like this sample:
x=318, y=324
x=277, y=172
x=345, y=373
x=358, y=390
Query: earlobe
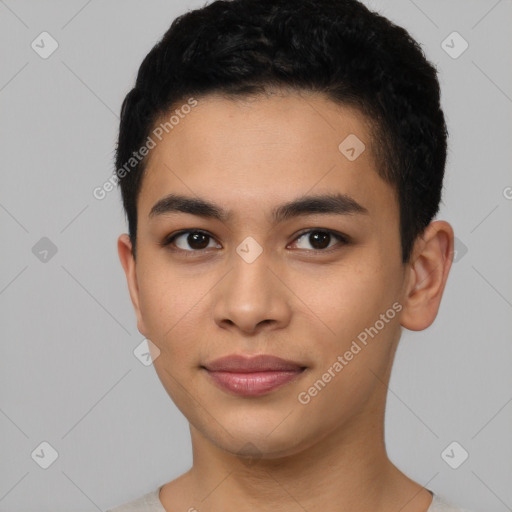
x=428, y=273
x=124, y=249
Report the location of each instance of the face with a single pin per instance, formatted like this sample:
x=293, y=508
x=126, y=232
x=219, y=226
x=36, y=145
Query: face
x=316, y=284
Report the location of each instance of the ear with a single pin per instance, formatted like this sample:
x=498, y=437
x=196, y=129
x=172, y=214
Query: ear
x=124, y=249
x=427, y=275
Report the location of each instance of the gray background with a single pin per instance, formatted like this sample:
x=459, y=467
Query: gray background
x=68, y=375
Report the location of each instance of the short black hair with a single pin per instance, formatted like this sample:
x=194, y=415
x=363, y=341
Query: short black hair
x=340, y=48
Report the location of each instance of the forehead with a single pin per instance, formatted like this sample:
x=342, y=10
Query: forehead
x=253, y=153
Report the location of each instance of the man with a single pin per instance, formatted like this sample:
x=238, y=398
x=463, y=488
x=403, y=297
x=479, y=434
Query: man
x=280, y=165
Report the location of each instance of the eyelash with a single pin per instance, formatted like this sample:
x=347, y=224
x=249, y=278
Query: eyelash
x=341, y=238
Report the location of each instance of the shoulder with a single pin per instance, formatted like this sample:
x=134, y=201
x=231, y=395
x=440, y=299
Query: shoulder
x=150, y=502
x=441, y=504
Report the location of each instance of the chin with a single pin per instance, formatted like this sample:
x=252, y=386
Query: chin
x=261, y=441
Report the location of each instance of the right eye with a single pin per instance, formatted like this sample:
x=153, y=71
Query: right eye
x=196, y=239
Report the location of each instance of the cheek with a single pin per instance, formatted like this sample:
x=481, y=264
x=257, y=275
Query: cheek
x=345, y=298
x=166, y=304
x=350, y=303
x=346, y=305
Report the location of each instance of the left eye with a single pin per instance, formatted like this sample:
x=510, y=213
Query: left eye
x=200, y=240
x=319, y=239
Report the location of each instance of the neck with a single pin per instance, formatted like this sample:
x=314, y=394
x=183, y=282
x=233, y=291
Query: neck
x=339, y=469
x=346, y=470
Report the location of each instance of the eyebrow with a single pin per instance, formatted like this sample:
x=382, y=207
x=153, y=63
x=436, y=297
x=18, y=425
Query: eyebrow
x=338, y=204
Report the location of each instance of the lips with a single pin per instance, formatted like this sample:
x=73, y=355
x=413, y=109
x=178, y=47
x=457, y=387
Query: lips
x=252, y=376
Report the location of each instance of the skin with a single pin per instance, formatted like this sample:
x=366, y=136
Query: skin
x=294, y=301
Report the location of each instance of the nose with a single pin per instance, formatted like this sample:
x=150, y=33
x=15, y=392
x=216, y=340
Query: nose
x=252, y=298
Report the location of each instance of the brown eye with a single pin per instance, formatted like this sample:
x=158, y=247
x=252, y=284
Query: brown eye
x=319, y=240
x=197, y=240
x=190, y=241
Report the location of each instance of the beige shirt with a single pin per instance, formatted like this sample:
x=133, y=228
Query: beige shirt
x=150, y=502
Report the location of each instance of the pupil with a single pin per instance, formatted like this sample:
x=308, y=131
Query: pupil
x=195, y=239
x=314, y=237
